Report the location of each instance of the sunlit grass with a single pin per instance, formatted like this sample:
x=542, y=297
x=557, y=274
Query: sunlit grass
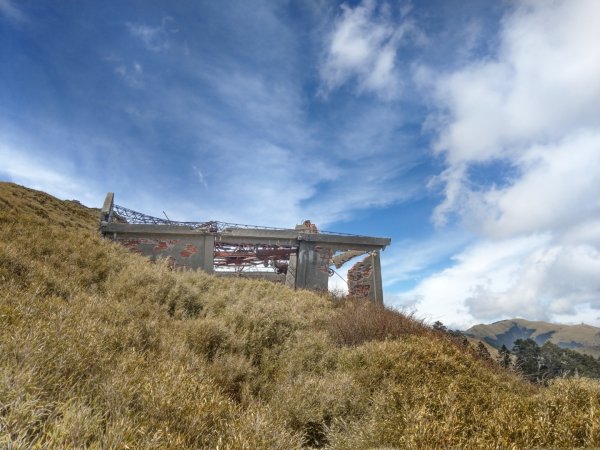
x=101, y=349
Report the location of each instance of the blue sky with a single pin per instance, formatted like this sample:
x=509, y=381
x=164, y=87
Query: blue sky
x=468, y=132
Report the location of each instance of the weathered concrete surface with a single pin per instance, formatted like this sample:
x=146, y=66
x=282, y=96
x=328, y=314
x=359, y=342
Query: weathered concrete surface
x=312, y=270
x=290, y=276
x=189, y=252
x=107, y=208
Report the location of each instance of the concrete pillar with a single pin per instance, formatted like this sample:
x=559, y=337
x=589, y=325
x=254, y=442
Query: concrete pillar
x=107, y=208
x=376, y=294
x=208, y=253
x=290, y=277
x=311, y=270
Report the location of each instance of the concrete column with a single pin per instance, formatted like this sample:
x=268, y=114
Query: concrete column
x=208, y=253
x=107, y=208
x=290, y=277
x=310, y=270
x=376, y=293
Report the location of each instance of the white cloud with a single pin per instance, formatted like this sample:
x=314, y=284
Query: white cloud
x=559, y=187
x=8, y=9
x=542, y=84
x=132, y=74
x=201, y=176
x=406, y=259
x=529, y=276
x=154, y=38
x=362, y=48
x=40, y=173
x=266, y=164
x=547, y=281
x=534, y=107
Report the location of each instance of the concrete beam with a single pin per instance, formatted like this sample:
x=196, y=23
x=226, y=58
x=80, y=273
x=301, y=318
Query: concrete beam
x=130, y=228
x=291, y=238
x=278, y=241
x=258, y=236
x=346, y=242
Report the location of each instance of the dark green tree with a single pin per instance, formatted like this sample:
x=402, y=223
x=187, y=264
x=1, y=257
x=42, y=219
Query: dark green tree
x=528, y=359
x=483, y=352
x=439, y=326
x=504, y=357
x=563, y=362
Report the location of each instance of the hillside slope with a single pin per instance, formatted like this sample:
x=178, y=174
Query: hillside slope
x=581, y=338
x=101, y=349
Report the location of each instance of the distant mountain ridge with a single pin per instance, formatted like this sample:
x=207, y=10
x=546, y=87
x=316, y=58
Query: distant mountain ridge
x=581, y=338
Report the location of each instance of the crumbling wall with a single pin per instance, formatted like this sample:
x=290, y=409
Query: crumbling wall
x=360, y=278
x=188, y=252
x=364, y=278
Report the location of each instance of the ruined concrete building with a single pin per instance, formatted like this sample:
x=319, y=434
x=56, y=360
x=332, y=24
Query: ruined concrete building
x=300, y=257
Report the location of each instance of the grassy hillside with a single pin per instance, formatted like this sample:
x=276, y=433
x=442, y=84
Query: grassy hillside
x=581, y=338
x=101, y=349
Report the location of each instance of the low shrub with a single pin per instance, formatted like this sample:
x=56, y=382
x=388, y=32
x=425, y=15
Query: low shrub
x=356, y=321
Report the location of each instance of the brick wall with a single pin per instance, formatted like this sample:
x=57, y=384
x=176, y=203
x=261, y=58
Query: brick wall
x=360, y=278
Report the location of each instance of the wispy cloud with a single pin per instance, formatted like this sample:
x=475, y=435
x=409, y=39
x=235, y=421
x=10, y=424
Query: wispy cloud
x=408, y=259
x=201, y=176
x=19, y=168
x=132, y=74
x=155, y=38
x=362, y=48
x=12, y=12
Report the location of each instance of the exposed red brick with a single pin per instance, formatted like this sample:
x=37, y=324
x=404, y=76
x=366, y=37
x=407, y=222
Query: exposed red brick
x=162, y=245
x=188, y=251
x=359, y=278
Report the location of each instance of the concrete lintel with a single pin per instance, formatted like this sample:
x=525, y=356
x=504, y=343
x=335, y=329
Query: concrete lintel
x=228, y=239
x=257, y=236
x=154, y=229
x=346, y=242
x=325, y=238
x=258, y=233
x=335, y=248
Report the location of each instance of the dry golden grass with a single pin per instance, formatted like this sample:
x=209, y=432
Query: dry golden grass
x=101, y=349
